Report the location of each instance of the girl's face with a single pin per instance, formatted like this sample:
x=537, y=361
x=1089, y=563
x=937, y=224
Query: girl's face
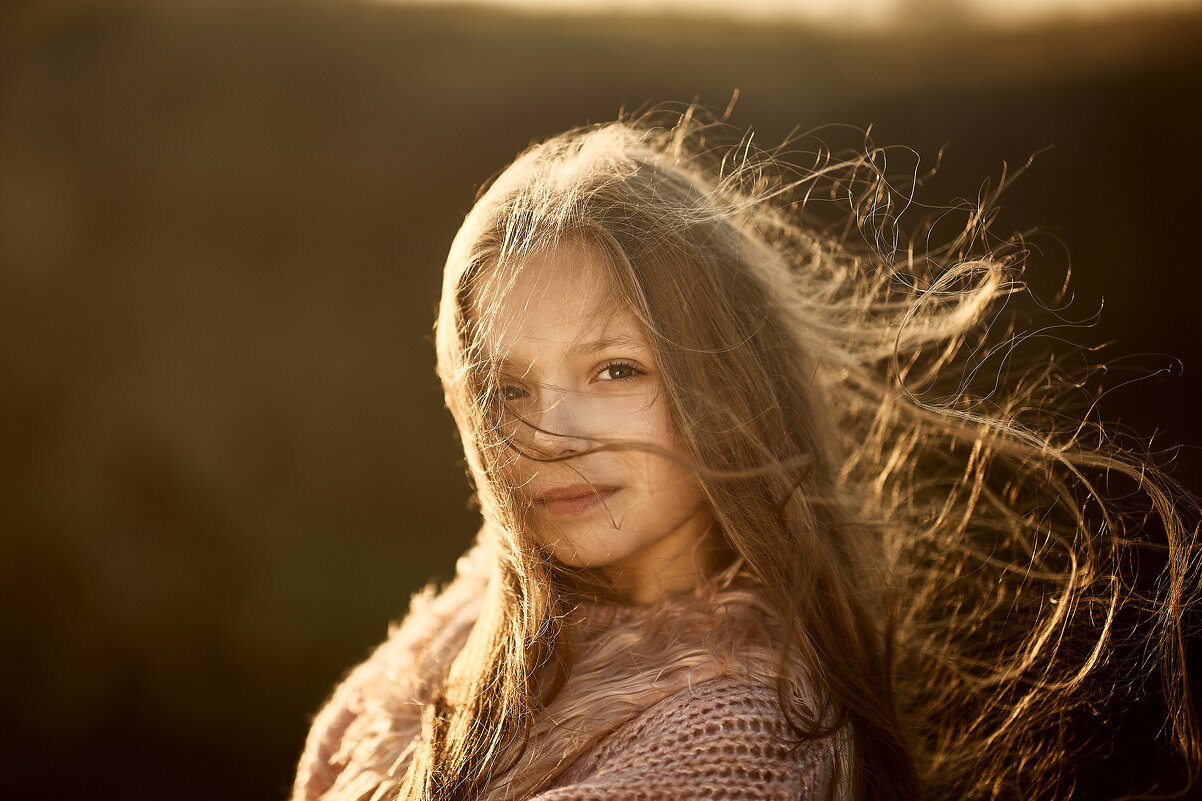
x=577, y=371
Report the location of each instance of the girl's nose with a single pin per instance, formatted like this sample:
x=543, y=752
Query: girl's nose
x=557, y=432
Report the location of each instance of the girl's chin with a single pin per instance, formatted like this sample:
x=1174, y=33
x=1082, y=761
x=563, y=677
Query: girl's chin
x=579, y=555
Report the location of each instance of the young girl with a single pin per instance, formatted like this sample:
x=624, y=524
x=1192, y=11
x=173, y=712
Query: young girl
x=767, y=514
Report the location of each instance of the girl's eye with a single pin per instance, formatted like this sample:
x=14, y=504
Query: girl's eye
x=619, y=371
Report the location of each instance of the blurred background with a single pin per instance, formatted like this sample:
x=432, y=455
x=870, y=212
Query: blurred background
x=224, y=461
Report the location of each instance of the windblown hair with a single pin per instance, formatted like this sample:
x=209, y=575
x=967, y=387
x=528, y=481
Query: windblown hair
x=959, y=584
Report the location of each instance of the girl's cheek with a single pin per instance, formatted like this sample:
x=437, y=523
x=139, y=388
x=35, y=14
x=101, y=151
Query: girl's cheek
x=635, y=422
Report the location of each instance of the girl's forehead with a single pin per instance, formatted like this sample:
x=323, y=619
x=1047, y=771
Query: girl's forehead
x=561, y=297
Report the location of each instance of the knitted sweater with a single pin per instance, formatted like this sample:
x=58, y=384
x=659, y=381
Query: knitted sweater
x=676, y=700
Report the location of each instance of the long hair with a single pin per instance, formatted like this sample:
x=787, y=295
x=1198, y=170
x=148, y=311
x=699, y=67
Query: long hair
x=954, y=577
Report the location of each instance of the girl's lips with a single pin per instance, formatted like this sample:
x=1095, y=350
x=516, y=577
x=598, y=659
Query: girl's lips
x=576, y=499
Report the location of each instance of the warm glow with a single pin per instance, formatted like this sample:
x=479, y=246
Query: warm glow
x=1024, y=10
x=851, y=13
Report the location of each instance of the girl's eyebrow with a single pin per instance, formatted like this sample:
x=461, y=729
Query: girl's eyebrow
x=598, y=345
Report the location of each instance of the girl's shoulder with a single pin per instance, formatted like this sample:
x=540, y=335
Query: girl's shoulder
x=376, y=709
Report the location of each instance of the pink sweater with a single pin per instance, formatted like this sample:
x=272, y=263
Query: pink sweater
x=672, y=701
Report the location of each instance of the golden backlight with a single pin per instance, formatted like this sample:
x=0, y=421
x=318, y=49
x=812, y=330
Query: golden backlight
x=849, y=13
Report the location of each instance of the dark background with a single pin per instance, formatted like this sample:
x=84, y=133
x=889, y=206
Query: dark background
x=224, y=463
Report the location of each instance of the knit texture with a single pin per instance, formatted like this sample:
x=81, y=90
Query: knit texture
x=721, y=740
x=676, y=700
